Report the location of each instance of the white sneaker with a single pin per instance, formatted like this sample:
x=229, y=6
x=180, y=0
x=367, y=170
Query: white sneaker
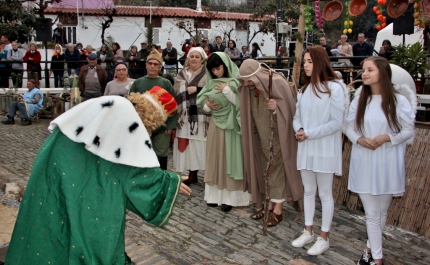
x=304, y=239
x=319, y=247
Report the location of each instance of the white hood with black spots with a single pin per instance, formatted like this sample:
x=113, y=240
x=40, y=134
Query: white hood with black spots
x=111, y=129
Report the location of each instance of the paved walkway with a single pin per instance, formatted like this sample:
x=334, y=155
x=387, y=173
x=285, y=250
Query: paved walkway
x=197, y=234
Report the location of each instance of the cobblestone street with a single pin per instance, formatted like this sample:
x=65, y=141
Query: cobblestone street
x=197, y=234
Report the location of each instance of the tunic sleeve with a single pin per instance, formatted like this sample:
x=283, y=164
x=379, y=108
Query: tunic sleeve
x=206, y=109
x=297, y=121
x=406, y=119
x=351, y=133
x=151, y=194
x=337, y=109
x=230, y=95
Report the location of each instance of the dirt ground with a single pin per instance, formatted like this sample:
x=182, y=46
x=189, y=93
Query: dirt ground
x=7, y=221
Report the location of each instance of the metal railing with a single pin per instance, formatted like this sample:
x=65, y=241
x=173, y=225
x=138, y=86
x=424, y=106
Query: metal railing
x=278, y=63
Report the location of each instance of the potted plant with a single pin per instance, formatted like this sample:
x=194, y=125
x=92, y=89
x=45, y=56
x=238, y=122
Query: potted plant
x=413, y=59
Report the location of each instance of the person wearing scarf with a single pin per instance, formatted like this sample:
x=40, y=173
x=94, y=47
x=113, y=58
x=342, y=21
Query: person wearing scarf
x=133, y=57
x=224, y=159
x=192, y=126
x=57, y=65
x=105, y=57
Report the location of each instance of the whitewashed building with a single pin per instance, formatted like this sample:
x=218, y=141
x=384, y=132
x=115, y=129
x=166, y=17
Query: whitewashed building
x=83, y=25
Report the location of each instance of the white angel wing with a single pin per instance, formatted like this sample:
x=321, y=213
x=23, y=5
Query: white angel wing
x=347, y=102
x=407, y=91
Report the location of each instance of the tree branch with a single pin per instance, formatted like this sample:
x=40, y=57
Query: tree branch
x=109, y=13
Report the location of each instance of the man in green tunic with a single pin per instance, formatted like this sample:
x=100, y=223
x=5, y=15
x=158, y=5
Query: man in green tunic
x=160, y=138
x=97, y=163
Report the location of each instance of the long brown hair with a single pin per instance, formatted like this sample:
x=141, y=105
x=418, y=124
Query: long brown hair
x=321, y=71
x=388, y=95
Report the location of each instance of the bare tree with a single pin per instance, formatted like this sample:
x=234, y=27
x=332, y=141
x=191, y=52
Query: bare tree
x=265, y=28
x=187, y=26
x=108, y=12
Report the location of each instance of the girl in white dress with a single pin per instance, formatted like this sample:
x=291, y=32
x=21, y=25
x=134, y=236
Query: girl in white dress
x=318, y=122
x=379, y=122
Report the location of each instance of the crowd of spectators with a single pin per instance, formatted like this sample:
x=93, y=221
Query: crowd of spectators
x=75, y=56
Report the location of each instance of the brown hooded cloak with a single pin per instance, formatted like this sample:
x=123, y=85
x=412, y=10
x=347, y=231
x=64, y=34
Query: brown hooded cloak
x=286, y=107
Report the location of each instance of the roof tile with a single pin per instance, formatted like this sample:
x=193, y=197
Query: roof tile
x=160, y=11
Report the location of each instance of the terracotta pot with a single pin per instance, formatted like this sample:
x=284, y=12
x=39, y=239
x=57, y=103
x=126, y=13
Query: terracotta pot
x=332, y=11
x=396, y=8
x=357, y=7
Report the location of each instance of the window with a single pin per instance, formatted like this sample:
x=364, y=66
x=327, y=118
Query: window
x=156, y=36
x=70, y=23
x=71, y=34
x=156, y=22
x=241, y=25
x=203, y=23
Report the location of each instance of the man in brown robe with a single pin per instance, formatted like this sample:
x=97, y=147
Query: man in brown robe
x=285, y=182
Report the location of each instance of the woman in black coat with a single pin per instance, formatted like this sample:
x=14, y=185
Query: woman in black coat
x=57, y=66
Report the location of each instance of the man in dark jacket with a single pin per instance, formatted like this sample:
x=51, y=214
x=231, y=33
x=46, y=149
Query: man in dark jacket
x=144, y=52
x=219, y=47
x=206, y=41
x=59, y=35
x=361, y=48
x=92, y=79
x=323, y=43
x=72, y=57
x=170, y=57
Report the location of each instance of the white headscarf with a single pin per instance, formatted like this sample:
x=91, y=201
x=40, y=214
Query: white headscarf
x=198, y=49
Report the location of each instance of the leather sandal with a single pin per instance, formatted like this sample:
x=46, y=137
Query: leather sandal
x=274, y=219
x=257, y=215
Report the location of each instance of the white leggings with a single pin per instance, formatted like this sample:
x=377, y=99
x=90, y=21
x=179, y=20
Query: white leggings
x=324, y=181
x=376, y=208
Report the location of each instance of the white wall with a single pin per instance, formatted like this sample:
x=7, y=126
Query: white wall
x=387, y=34
x=125, y=30
x=269, y=40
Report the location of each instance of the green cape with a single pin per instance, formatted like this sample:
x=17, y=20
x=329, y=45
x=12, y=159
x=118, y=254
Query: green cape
x=73, y=210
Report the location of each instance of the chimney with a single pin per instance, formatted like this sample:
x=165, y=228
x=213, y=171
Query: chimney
x=199, y=6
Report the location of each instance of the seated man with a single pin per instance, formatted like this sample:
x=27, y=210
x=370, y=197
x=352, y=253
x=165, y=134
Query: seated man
x=30, y=104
